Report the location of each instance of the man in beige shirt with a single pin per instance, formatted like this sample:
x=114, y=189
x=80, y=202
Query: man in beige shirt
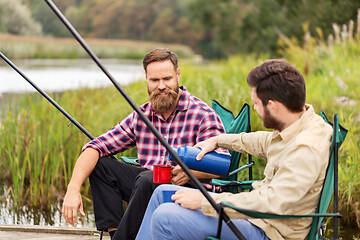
x=297, y=153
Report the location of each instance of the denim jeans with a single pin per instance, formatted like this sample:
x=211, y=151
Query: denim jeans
x=171, y=221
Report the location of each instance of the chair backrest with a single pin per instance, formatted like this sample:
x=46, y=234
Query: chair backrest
x=238, y=124
x=330, y=182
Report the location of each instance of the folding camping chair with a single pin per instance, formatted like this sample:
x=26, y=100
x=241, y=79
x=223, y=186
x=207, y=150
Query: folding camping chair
x=232, y=124
x=330, y=186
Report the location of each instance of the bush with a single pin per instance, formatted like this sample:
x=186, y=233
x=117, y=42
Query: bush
x=16, y=18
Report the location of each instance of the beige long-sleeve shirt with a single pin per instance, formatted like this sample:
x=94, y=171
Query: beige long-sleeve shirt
x=297, y=158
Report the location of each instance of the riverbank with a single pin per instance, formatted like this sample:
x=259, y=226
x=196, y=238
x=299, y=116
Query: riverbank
x=20, y=47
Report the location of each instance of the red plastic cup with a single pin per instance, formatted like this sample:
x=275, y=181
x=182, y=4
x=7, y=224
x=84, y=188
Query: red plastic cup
x=162, y=174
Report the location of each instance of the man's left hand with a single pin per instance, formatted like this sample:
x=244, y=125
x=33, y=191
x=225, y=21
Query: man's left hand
x=179, y=176
x=188, y=198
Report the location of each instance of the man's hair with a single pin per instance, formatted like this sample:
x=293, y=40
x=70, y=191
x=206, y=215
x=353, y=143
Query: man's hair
x=276, y=79
x=159, y=55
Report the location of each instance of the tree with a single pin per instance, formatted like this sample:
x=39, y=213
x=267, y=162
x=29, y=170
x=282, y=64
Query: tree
x=220, y=22
x=16, y=18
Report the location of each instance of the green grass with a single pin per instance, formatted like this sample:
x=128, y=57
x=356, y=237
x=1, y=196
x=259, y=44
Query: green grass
x=38, y=149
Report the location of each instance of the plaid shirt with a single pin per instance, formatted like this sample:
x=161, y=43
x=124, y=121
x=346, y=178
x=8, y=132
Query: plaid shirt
x=191, y=122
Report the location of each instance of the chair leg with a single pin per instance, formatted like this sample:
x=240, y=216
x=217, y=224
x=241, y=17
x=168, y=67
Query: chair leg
x=336, y=181
x=220, y=223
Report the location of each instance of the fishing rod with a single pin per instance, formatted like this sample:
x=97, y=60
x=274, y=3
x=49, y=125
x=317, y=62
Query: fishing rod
x=143, y=117
x=52, y=101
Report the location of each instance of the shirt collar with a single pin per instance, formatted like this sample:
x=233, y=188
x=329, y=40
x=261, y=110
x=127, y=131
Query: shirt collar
x=184, y=99
x=291, y=131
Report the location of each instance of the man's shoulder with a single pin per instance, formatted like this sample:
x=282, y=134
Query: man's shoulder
x=145, y=108
x=316, y=133
x=197, y=103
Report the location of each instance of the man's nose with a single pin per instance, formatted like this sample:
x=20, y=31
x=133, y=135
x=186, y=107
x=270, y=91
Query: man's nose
x=161, y=85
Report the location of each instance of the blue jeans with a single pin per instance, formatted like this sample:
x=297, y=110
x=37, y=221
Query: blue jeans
x=171, y=221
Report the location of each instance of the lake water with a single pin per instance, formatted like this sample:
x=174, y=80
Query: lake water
x=60, y=75
x=56, y=76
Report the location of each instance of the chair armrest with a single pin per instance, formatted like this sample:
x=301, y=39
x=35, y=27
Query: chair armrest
x=241, y=168
x=131, y=160
x=256, y=214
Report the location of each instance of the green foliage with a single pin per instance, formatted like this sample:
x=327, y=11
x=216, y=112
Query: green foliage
x=215, y=29
x=220, y=23
x=51, y=25
x=16, y=18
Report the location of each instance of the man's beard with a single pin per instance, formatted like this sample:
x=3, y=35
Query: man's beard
x=163, y=104
x=270, y=122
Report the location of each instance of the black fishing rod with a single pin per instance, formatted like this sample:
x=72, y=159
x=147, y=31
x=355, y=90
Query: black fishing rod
x=143, y=117
x=52, y=101
x=72, y=120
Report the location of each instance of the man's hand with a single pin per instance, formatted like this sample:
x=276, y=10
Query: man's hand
x=72, y=203
x=206, y=146
x=188, y=198
x=179, y=176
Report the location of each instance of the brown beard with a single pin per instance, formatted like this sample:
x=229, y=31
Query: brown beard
x=270, y=122
x=163, y=104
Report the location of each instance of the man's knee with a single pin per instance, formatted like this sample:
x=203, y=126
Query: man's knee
x=164, y=215
x=144, y=182
x=168, y=221
x=170, y=213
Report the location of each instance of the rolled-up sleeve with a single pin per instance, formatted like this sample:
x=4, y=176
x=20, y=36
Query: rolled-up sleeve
x=118, y=139
x=255, y=143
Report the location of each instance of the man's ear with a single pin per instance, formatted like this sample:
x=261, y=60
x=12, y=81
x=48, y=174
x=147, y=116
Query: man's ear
x=272, y=106
x=178, y=74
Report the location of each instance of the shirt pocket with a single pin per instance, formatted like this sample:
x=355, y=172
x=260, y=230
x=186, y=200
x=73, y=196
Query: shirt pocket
x=269, y=172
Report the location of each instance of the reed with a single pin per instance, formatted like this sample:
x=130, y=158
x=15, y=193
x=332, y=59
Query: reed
x=20, y=47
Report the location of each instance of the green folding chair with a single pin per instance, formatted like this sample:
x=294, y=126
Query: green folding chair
x=232, y=124
x=330, y=187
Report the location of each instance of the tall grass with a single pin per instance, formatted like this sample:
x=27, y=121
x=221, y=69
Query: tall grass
x=38, y=149
x=19, y=47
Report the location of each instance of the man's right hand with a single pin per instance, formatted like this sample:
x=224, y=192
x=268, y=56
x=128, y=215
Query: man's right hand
x=72, y=200
x=206, y=146
x=72, y=203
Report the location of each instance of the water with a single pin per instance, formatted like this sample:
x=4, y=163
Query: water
x=24, y=215
x=61, y=75
x=55, y=76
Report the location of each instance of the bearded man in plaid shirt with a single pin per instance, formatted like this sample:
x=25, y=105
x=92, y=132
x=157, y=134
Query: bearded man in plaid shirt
x=182, y=119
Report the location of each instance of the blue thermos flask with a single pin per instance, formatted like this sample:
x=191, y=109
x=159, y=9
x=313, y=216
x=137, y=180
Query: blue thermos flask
x=212, y=162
